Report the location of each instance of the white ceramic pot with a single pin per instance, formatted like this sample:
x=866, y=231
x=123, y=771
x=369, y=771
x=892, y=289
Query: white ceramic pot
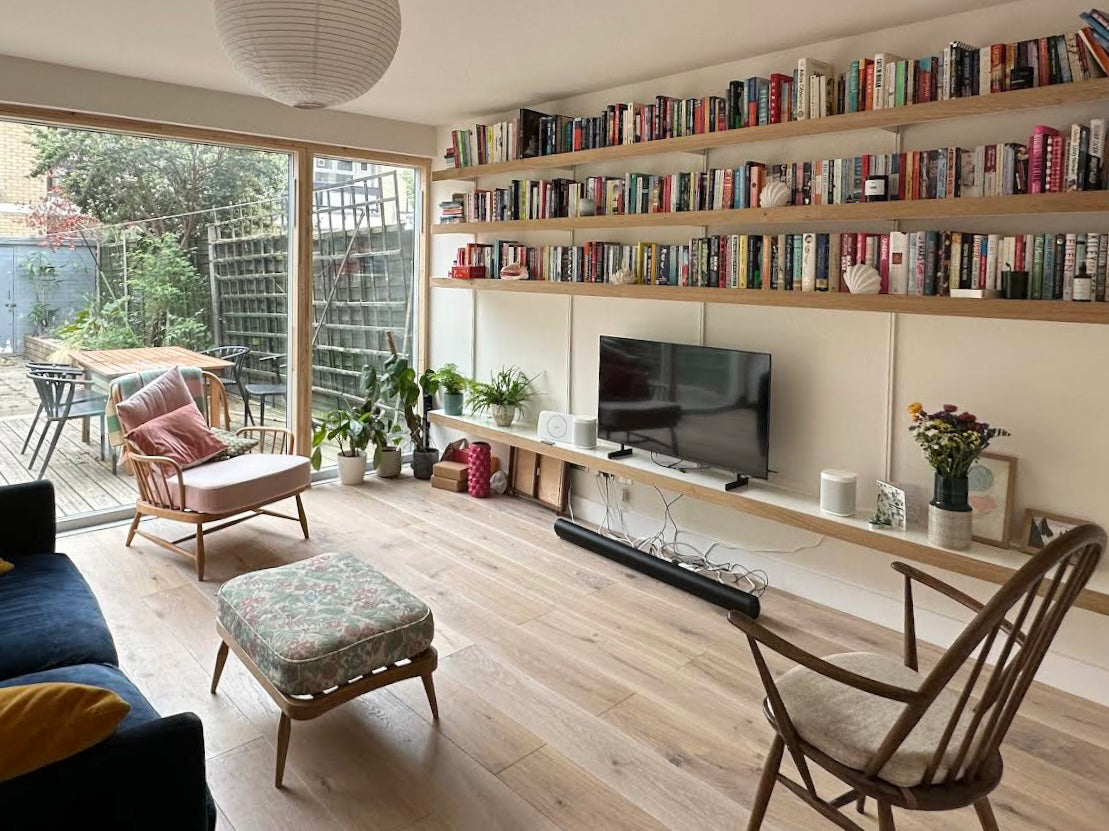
x=503, y=415
x=352, y=469
x=949, y=529
x=388, y=462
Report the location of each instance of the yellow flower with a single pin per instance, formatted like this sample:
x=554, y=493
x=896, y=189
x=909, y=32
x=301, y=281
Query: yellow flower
x=915, y=407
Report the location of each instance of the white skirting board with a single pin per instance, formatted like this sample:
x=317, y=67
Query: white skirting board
x=811, y=573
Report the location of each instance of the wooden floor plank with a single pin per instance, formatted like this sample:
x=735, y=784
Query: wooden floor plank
x=574, y=694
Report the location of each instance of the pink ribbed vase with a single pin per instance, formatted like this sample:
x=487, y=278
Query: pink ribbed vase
x=479, y=458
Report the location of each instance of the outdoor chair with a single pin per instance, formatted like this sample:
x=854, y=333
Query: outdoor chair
x=233, y=489
x=59, y=402
x=69, y=369
x=921, y=741
x=237, y=355
x=264, y=391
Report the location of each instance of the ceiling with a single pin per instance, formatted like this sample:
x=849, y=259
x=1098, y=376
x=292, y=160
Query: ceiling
x=462, y=57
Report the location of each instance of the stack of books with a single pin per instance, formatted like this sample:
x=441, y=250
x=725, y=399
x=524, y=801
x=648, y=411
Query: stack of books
x=931, y=263
x=812, y=89
x=453, y=209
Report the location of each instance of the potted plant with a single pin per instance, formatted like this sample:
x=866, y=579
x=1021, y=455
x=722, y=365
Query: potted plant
x=951, y=442
x=402, y=388
x=505, y=393
x=354, y=429
x=452, y=385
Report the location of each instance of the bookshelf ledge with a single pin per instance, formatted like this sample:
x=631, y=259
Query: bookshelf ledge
x=1050, y=310
x=1024, y=99
x=984, y=562
x=1091, y=201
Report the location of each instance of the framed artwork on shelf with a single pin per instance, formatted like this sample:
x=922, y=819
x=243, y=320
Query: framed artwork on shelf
x=890, y=510
x=1041, y=527
x=991, y=485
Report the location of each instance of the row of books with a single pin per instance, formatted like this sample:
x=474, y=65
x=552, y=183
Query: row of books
x=813, y=89
x=1050, y=162
x=908, y=263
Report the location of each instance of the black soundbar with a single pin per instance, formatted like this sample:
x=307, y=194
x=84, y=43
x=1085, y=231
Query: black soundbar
x=713, y=591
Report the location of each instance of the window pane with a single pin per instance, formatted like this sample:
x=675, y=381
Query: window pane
x=366, y=240
x=171, y=246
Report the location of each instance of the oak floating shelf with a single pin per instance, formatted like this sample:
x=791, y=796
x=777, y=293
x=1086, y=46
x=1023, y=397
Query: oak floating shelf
x=1059, y=311
x=760, y=499
x=1024, y=99
x=1092, y=201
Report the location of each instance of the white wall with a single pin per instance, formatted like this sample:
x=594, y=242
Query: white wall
x=834, y=399
x=64, y=87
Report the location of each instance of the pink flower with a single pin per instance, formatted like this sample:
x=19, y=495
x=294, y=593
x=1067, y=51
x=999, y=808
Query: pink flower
x=949, y=408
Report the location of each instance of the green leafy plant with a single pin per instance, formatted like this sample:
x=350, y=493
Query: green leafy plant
x=100, y=325
x=450, y=379
x=401, y=387
x=356, y=428
x=43, y=277
x=508, y=387
x=165, y=281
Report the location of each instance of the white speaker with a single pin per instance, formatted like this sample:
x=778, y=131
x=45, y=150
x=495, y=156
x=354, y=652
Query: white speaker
x=837, y=492
x=585, y=432
x=555, y=426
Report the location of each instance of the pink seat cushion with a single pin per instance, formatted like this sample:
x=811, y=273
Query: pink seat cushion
x=181, y=435
x=164, y=394
x=234, y=484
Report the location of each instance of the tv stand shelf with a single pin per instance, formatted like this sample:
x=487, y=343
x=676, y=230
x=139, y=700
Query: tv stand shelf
x=762, y=499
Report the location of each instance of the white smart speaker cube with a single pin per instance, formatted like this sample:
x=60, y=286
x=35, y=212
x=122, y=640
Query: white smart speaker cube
x=585, y=432
x=837, y=492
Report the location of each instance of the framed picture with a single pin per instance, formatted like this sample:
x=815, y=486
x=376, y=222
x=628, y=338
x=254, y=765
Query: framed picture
x=991, y=482
x=1041, y=527
x=890, y=511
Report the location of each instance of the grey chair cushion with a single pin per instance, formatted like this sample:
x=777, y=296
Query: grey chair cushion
x=850, y=725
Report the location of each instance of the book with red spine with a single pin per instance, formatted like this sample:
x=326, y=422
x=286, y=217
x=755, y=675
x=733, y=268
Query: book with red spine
x=778, y=87
x=1095, y=50
x=1037, y=157
x=1056, y=160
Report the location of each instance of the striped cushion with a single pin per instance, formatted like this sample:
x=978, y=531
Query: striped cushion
x=127, y=385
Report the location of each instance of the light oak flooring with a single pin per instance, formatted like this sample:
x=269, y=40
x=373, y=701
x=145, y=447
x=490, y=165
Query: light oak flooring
x=574, y=694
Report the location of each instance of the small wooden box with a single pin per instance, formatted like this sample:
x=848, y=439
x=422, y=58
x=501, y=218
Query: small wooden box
x=455, y=471
x=455, y=485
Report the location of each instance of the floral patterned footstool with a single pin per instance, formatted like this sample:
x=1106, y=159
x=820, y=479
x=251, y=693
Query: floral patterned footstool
x=323, y=631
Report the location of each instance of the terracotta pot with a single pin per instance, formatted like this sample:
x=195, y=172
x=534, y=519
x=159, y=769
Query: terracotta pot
x=388, y=462
x=352, y=469
x=423, y=461
x=503, y=415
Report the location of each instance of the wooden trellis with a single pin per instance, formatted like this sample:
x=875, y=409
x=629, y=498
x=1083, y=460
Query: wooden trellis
x=362, y=284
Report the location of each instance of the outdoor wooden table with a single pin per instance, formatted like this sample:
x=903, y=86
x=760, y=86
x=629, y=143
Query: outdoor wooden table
x=104, y=366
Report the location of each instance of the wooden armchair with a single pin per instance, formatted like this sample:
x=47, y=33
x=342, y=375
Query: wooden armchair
x=925, y=742
x=233, y=489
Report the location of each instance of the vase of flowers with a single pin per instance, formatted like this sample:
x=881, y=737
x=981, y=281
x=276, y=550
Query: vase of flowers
x=951, y=442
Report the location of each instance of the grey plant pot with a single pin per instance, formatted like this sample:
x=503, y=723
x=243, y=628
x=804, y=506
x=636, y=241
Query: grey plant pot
x=423, y=461
x=388, y=462
x=503, y=415
x=452, y=403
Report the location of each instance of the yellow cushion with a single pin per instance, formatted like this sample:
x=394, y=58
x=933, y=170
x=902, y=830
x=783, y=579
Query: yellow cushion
x=5, y=565
x=44, y=723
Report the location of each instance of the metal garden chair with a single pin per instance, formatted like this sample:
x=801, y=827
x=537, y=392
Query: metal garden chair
x=69, y=369
x=922, y=741
x=59, y=402
x=264, y=391
x=237, y=355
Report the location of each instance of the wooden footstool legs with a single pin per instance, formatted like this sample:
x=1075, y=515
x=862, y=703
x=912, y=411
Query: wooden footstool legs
x=303, y=708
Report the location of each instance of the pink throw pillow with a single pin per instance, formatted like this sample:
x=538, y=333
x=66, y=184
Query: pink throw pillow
x=164, y=394
x=181, y=435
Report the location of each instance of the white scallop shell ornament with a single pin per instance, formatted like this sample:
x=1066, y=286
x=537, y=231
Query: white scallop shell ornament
x=863, y=279
x=774, y=195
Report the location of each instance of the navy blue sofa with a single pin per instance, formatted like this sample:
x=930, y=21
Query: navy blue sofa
x=149, y=773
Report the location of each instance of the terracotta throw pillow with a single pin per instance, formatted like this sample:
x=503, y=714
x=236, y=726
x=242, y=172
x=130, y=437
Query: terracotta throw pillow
x=44, y=723
x=164, y=394
x=181, y=435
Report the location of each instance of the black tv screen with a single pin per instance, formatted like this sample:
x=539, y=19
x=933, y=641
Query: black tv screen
x=696, y=403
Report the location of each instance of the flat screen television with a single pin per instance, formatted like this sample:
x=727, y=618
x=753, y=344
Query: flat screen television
x=696, y=403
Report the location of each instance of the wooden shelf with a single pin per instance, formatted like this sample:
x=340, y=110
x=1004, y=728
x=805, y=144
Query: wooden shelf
x=761, y=499
x=1024, y=99
x=1053, y=310
x=1093, y=201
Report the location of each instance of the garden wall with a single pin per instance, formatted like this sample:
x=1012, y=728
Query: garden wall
x=75, y=283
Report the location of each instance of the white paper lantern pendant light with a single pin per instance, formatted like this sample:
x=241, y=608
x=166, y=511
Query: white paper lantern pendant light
x=310, y=53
